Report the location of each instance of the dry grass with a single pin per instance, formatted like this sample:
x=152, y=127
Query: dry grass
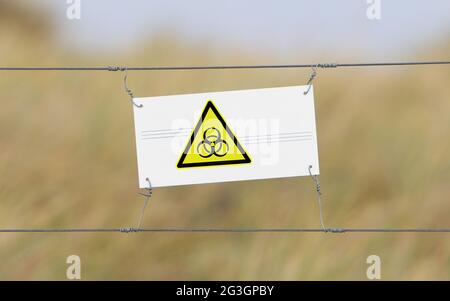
x=67, y=159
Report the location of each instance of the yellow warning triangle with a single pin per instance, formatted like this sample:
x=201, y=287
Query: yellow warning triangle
x=212, y=143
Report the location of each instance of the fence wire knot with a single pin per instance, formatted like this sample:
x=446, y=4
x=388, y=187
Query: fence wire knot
x=334, y=230
x=327, y=65
x=116, y=68
x=128, y=230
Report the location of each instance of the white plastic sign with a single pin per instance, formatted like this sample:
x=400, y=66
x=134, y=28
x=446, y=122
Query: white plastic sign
x=225, y=136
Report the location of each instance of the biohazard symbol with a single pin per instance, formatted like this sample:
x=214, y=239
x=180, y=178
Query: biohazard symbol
x=212, y=143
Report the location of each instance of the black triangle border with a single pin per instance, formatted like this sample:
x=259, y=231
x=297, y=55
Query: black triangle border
x=210, y=105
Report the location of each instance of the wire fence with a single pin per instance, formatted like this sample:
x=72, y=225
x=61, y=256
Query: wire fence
x=227, y=230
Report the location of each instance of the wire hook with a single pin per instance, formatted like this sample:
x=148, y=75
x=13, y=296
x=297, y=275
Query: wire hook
x=319, y=201
x=128, y=90
x=147, y=196
x=311, y=78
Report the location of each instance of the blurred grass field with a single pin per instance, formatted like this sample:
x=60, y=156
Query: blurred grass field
x=67, y=159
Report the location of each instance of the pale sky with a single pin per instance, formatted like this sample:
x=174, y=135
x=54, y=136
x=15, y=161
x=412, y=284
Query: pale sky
x=282, y=26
